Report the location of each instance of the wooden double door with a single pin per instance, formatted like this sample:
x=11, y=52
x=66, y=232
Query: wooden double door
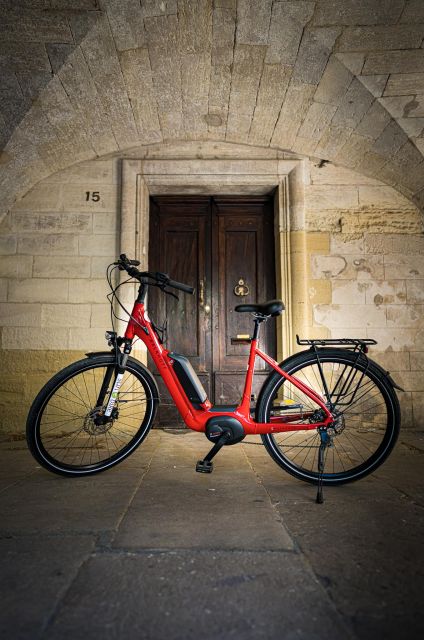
x=224, y=247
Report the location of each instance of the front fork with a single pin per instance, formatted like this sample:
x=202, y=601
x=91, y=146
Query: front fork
x=114, y=394
x=119, y=369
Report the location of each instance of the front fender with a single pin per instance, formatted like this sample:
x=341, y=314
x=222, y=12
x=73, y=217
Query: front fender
x=93, y=354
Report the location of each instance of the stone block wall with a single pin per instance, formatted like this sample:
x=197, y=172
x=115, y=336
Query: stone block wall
x=54, y=249
x=55, y=246
x=359, y=255
x=365, y=247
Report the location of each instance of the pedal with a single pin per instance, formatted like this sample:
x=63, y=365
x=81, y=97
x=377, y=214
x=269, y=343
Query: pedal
x=204, y=466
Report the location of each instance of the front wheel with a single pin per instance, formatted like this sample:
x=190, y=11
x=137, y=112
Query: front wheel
x=67, y=431
x=364, y=406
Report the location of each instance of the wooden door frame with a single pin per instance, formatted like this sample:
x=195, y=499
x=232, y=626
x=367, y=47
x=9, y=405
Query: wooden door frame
x=143, y=178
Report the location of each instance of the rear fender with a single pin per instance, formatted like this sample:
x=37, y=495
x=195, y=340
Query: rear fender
x=387, y=375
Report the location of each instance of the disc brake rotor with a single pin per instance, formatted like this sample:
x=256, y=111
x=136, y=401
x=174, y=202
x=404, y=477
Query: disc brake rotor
x=95, y=423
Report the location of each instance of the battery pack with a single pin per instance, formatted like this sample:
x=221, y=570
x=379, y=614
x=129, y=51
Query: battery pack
x=188, y=379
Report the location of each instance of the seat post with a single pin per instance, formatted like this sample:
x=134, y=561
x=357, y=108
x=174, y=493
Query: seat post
x=258, y=321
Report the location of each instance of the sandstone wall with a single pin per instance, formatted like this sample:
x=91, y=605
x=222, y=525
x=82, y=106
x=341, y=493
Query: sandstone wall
x=55, y=246
x=366, y=273
x=359, y=257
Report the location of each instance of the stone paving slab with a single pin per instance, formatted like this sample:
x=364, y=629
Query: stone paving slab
x=402, y=473
x=42, y=502
x=364, y=543
x=34, y=576
x=186, y=595
x=413, y=439
x=369, y=558
x=179, y=508
x=15, y=464
x=284, y=488
x=151, y=549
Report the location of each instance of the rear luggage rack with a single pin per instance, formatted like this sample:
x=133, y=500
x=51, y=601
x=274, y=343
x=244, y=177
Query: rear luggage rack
x=355, y=343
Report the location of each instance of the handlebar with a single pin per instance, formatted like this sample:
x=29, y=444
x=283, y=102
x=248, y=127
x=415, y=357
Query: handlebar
x=181, y=286
x=161, y=280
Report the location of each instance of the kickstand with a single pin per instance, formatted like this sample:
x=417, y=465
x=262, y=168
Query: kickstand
x=320, y=497
x=325, y=441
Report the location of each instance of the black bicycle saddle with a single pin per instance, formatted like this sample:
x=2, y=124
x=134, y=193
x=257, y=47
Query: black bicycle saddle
x=270, y=308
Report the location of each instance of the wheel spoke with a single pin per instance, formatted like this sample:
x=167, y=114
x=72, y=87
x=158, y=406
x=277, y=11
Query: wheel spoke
x=73, y=435
x=363, y=413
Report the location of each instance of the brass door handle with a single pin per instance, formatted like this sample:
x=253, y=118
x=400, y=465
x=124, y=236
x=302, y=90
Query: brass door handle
x=241, y=289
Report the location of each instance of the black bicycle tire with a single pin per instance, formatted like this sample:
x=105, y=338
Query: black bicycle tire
x=306, y=358
x=59, y=379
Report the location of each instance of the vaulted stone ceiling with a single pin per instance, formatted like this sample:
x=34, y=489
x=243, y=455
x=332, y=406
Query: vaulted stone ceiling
x=339, y=80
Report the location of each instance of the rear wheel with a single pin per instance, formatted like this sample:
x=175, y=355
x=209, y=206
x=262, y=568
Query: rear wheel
x=364, y=406
x=67, y=431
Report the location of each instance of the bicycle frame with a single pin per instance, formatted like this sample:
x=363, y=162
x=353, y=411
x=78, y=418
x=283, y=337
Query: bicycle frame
x=196, y=418
x=96, y=411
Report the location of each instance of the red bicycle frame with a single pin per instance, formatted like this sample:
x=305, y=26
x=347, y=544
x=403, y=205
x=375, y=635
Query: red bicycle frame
x=196, y=418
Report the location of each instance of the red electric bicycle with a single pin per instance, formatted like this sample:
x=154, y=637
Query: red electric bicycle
x=327, y=415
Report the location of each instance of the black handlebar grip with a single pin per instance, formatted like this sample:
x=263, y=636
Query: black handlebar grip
x=133, y=272
x=180, y=286
x=124, y=258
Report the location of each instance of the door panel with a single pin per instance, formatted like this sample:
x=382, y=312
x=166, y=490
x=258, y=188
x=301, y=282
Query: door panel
x=228, y=385
x=245, y=248
x=238, y=263
x=184, y=253
x=180, y=246
x=212, y=244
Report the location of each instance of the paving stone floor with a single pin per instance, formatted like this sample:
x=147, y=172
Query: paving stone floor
x=152, y=550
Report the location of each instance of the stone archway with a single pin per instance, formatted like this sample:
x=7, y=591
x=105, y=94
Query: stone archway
x=295, y=76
